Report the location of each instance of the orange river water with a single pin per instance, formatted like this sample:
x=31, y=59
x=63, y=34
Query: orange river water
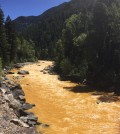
x=65, y=111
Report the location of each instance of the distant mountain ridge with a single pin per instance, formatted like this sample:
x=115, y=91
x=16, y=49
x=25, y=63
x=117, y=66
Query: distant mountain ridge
x=24, y=21
x=46, y=29
x=74, y=5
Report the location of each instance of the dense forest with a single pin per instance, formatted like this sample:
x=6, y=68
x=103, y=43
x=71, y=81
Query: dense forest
x=89, y=47
x=81, y=36
x=13, y=47
x=46, y=29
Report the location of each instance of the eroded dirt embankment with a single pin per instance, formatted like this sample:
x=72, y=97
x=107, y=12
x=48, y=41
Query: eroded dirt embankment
x=67, y=107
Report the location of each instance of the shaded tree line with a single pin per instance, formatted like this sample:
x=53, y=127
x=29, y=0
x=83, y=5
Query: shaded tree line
x=89, y=47
x=48, y=27
x=83, y=37
x=13, y=47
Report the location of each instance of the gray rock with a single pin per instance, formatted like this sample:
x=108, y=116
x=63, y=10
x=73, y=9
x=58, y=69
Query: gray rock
x=27, y=106
x=32, y=117
x=19, y=122
x=3, y=90
x=18, y=65
x=18, y=94
x=15, y=98
x=32, y=123
x=23, y=72
x=21, y=97
x=24, y=119
x=14, y=101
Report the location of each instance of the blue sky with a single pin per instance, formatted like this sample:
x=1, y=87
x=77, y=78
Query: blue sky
x=16, y=8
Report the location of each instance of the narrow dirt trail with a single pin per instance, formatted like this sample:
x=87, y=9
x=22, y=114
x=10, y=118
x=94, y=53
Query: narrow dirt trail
x=65, y=111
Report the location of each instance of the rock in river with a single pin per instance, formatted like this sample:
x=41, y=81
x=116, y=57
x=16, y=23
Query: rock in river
x=23, y=72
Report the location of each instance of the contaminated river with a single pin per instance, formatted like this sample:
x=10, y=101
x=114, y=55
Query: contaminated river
x=68, y=108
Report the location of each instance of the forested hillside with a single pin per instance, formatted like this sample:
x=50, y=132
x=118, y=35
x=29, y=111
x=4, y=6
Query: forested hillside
x=60, y=71
x=46, y=29
x=89, y=48
x=82, y=36
x=13, y=47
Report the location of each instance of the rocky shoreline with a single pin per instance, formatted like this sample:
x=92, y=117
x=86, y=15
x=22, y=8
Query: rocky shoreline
x=14, y=118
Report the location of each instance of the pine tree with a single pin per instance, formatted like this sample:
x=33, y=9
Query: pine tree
x=11, y=37
x=3, y=40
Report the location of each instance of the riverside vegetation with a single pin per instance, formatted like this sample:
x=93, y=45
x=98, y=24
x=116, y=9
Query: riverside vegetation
x=87, y=47
x=81, y=36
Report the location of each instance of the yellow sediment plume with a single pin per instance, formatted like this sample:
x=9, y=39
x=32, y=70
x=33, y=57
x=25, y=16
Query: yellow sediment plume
x=67, y=112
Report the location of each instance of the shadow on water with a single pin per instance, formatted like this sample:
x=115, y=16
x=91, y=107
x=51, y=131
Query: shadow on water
x=69, y=78
x=103, y=95
x=80, y=89
x=106, y=95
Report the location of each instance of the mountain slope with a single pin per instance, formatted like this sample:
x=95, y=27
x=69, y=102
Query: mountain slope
x=46, y=29
x=23, y=22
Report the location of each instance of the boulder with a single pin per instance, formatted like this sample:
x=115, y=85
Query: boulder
x=15, y=86
x=18, y=65
x=27, y=106
x=32, y=117
x=23, y=72
x=13, y=102
x=9, y=84
x=18, y=94
x=24, y=119
x=22, y=98
x=15, y=98
x=3, y=90
x=32, y=123
x=4, y=85
x=23, y=113
x=19, y=122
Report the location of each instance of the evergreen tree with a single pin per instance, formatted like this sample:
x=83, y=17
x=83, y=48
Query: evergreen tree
x=106, y=22
x=11, y=37
x=3, y=40
x=91, y=44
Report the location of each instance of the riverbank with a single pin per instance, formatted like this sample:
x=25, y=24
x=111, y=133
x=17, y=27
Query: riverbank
x=67, y=107
x=13, y=115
